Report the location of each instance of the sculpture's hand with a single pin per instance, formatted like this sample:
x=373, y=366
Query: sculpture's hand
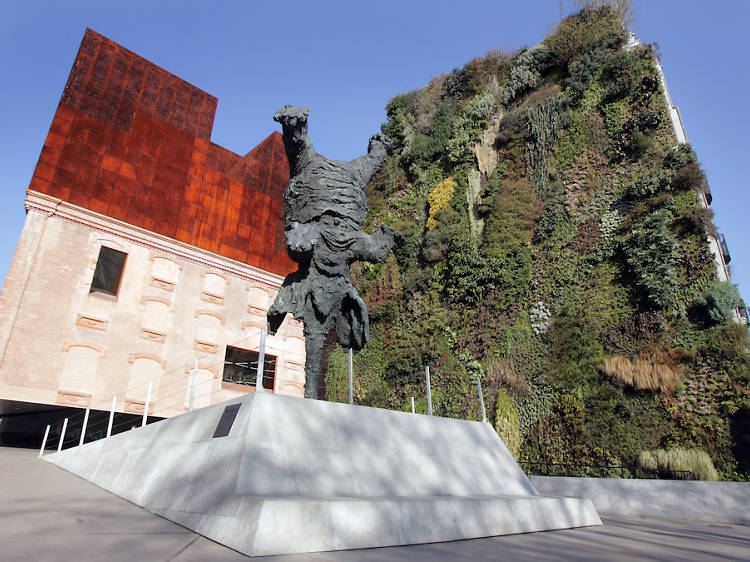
x=390, y=232
x=380, y=141
x=291, y=116
x=376, y=247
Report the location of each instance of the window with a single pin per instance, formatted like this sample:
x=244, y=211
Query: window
x=241, y=367
x=108, y=271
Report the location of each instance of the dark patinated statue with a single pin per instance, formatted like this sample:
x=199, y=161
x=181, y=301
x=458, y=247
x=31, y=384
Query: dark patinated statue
x=325, y=206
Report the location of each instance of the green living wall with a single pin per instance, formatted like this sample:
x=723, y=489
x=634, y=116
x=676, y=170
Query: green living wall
x=555, y=247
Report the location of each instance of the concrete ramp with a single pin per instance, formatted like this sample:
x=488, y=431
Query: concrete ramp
x=271, y=474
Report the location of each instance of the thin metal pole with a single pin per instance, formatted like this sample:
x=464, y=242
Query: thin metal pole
x=429, y=390
x=62, y=434
x=481, y=399
x=192, y=385
x=412, y=405
x=83, y=428
x=261, y=360
x=44, y=441
x=145, y=407
x=351, y=376
x=111, y=416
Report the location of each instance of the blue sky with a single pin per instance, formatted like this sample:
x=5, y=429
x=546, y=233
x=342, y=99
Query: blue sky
x=345, y=60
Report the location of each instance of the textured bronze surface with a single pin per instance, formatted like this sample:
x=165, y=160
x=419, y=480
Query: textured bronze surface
x=325, y=205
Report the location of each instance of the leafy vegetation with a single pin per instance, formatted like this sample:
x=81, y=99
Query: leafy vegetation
x=556, y=247
x=695, y=461
x=719, y=302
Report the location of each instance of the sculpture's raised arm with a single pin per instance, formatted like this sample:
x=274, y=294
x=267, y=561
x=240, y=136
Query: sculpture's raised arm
x=297, y=145
x=377, y=152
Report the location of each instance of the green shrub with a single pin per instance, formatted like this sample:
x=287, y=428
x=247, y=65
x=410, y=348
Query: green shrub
x=526, y=73
x=648, y=183
x=546, y=120
x=506, y=422
x=429, y=148
x=650, y=253
x=554, y=213
x=576, y=351
x=719, y=302
x=492, y=188
x=621, y=73
x=569, y=147
x=572, y=411
x=577, y=33
x=395, y=127
x=602, y=59
x=475, y=75
x=614, y=119
x=645, y=119
x=467, y=276
x=514, y=123
x=679, y=156
x=468, y=127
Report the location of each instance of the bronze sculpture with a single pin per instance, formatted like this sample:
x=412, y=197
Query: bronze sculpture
x=325, y=205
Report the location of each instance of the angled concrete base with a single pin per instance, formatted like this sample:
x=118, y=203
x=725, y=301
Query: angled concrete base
x=297, y=524
x=296, y=475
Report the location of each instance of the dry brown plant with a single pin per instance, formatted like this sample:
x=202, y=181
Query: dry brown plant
x=654, y=370
x=503, y=371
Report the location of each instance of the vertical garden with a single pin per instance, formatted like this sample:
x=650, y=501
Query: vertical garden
x=557, y=248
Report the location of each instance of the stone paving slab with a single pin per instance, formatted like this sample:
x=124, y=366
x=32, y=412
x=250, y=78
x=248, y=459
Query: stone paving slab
x=48, y=514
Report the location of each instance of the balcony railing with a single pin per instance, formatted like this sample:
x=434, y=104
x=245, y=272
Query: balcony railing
x=724, y=249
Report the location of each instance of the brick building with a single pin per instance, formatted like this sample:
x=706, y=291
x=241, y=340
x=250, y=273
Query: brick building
x=146, y=247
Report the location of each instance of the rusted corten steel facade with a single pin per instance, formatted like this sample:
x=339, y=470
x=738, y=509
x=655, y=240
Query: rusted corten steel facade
x=131, y=141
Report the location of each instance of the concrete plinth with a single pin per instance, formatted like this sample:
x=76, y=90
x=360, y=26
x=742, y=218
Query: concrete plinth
x=296, y=475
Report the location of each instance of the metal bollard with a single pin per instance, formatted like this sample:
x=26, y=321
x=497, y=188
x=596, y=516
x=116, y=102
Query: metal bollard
x=192, y=385
x=83, y=427
x=145, y=407
x=429, y=390
x=44, y=441
x=351, y=376
x=261, y=360
x=481, y=399
x=111, y=416
x=62, y=435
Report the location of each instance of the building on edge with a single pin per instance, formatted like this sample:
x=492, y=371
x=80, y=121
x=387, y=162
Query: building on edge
x=149, y=254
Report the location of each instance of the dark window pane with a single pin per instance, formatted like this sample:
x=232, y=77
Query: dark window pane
x=241, y=367
x=108, y=271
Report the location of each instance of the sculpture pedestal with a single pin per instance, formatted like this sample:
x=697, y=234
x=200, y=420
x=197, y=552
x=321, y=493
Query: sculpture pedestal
x=296, y=475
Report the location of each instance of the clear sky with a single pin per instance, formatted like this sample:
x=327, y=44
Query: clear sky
x=345, y=60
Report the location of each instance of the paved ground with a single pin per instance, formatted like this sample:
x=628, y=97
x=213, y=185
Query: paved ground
x=47, y=514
